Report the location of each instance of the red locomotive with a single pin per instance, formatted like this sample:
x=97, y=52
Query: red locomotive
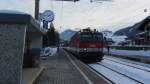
x=87, y=45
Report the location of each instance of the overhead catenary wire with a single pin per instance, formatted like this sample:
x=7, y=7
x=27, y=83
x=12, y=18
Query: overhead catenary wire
x=51, y=8
x=135, y=12
x=52, y=5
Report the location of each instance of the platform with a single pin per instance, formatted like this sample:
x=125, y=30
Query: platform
x=63, y=69
x=59, y=70
x=29, y=75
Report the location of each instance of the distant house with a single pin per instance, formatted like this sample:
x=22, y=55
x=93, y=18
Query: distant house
x=143, y=38
x=138, y=34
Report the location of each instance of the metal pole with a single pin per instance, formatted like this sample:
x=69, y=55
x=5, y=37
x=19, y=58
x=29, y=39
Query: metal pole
x=37, y=9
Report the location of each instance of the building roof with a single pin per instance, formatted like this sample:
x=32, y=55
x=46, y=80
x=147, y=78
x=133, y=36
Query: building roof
x=133, y=30
x=16, y=17
x=144, y=23
x=10, y=16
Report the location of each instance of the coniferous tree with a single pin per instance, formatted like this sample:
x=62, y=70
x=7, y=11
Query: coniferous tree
x=51, y=38
x=45, y=41
x=51, y=35
x=57, y=38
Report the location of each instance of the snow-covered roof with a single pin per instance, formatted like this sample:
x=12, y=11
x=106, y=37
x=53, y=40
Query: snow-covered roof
x=119, y=38
x=11, y=12
x=16, y=17
x=12, y=16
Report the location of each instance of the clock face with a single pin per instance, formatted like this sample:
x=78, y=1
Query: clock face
x=48, y=16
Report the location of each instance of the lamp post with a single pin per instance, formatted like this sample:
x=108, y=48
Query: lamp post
x=37, y=9
x=37, y=4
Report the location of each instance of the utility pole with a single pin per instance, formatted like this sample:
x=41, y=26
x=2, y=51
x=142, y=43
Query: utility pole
x=37, y=4
x=37, y=9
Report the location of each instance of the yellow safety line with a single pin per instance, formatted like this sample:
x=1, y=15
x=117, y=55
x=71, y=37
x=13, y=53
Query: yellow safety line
x=36, y=75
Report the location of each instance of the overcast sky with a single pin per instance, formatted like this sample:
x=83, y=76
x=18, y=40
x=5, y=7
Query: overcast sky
x=107, y=15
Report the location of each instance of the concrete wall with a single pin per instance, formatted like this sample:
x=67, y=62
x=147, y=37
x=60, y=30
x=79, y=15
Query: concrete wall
x=17, y=29
x=12, y=40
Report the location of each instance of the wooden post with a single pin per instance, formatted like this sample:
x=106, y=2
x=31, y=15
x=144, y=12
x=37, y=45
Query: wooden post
x=37, y=9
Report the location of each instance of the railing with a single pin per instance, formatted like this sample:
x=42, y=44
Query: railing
x=131, y=47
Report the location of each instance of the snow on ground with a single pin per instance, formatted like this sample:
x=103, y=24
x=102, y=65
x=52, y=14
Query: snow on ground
x=129, y=63
x=49, y=51
x=132, y=62
x=115, y=77
x=140, y=75
x=145, y=53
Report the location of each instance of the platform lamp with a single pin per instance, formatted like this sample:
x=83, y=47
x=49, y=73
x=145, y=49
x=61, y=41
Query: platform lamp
x=37, y=9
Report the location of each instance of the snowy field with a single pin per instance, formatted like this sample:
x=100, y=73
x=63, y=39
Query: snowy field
x=144, y=53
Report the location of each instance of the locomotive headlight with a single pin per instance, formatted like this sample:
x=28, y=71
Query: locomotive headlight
x=84, y=49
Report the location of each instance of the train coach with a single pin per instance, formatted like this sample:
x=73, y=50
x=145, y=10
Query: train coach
x=87, y=45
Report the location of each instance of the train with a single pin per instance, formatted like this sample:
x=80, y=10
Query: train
x=87, y=45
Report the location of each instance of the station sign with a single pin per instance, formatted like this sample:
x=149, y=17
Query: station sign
x=48, y=16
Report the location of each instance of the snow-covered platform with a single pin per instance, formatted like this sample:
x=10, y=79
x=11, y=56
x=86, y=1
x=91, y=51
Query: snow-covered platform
x=61, y=68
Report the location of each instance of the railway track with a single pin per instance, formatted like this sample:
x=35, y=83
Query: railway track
x=130, y=64
x=128, y=61
x=122, y=72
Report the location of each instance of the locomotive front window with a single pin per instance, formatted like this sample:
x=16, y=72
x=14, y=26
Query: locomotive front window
x=91, y=37
x=86, y=37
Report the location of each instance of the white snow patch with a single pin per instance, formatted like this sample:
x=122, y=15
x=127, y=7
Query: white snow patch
x=129, y=52
x=122, y=61
x=140, y=75
x=119, y=39
x=49, y=51
x=115, y=77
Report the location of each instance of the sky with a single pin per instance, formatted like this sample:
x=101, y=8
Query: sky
x=112, y=15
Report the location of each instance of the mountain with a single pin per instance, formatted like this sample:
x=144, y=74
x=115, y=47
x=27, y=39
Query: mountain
x=107, y=33
x=130, y=32
x=67, y=34
x=123, y=31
